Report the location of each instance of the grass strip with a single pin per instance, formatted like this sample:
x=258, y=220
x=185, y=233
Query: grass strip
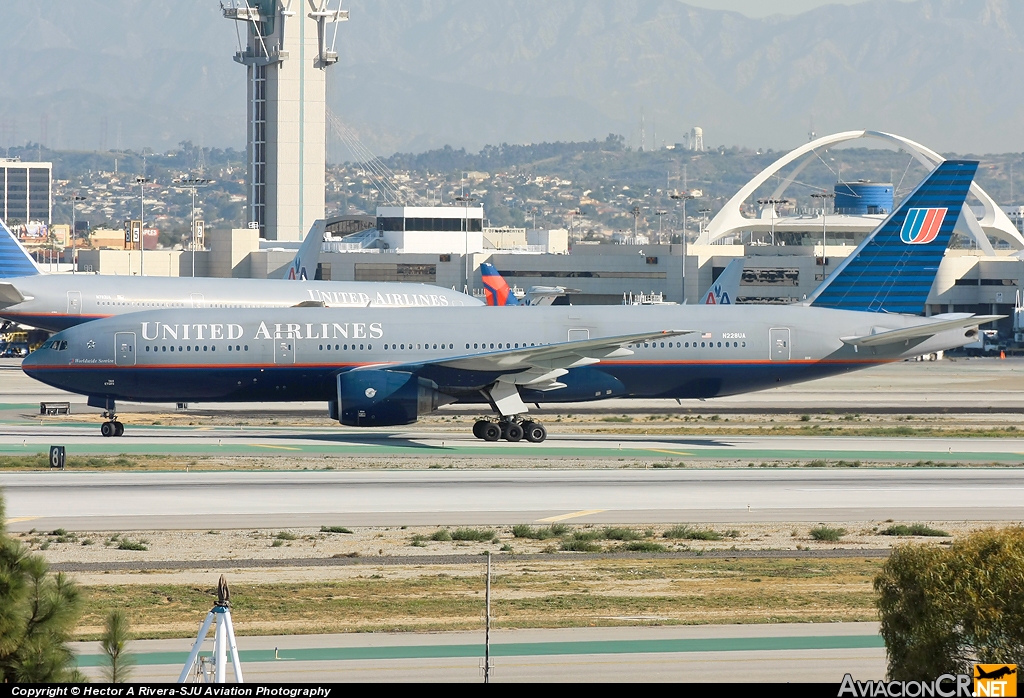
x=525, y=649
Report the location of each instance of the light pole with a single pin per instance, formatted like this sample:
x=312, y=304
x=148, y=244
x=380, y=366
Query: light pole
x=74, y=199
x=772, y=202
x=193, y=183
x=572, y=214
x=683, y=198
x=466, y=201
x=636, y=216
x=659, y=213
x=142, y=220
x=823, y=196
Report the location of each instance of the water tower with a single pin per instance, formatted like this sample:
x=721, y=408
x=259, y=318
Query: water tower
x=287, y=51
x=697, y=138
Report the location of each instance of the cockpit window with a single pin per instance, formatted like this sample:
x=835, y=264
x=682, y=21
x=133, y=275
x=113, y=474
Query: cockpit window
x=58, y=345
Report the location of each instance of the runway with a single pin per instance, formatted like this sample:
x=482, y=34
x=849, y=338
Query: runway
x=232, y=500
x=753, y=653
x=305, y=441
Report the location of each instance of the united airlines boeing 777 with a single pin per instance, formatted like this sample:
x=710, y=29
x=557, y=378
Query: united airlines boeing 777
x=376, y=368
x=57, y=301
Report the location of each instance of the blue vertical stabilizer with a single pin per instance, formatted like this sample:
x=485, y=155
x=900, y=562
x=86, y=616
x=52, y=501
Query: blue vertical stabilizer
x=893, y=270
x=14, y=259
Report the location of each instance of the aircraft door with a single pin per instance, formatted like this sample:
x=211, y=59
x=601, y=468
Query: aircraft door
x=74, y=302
x=124, y=348
x=198, y=301
x=779, y=343
x=579, y=335
x=284, y=351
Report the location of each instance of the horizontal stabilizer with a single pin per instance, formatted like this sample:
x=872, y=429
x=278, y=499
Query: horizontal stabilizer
x=10, y=295
x=883, y=336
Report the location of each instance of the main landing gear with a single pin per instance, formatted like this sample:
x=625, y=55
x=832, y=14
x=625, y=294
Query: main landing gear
x=510, y=429
x=112, y=427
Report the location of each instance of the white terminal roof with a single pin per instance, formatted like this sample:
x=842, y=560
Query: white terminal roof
x=430, y=212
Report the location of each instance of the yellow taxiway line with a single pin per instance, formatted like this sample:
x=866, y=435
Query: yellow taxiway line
x=574, y=515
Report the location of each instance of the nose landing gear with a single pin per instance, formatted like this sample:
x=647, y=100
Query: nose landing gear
x=510, y=429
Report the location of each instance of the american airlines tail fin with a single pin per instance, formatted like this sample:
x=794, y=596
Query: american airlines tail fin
x=893, y=269
x=303, y=266
x=496, y=289
x=723, y=290
x=14, y=259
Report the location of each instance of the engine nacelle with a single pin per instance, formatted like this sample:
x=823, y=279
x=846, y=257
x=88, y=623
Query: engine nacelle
x=384, y=398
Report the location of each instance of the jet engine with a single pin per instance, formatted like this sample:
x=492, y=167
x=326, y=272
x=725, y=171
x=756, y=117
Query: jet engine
x=379, y=398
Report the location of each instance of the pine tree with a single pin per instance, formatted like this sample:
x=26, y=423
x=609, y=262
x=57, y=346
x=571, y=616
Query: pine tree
x=38, y=611
x=115, y=646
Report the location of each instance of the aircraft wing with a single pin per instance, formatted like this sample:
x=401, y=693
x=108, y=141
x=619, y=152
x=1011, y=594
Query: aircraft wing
x=10, y=295
x=884, y=336
x=538, y=367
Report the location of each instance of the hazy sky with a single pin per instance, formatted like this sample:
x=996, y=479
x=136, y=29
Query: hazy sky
x=763, y=8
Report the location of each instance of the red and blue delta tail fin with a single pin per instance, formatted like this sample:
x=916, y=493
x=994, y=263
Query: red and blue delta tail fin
x=724, y=289
x=892, y=271
x=496, y=290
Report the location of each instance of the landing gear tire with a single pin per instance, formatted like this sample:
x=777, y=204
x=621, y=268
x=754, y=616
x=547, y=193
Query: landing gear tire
x=118, y=429
x=512, y=432
x=107, y=429
x=490, y=432
x=478, y=428
x=534, y=432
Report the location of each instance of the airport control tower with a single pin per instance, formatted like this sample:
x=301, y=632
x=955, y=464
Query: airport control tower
x=287, y=46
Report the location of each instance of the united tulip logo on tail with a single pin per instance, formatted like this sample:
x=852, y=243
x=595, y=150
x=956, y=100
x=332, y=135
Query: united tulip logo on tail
x=922, y=225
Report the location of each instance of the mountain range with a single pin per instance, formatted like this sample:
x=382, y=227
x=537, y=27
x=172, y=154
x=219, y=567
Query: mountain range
x=417, y=74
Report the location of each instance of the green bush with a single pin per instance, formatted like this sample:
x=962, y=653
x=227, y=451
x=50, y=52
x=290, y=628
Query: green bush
x=913, y=530
x=334, y=529
x=555, y=530
x=286, y=535
x=577, y=545
x=128, y=544
x=587, y=535
x=621, y=534
x=645, y=546
x=691, y=533
x=827, y=533
x=472, y=534
x=441, y=534
x=944, y=609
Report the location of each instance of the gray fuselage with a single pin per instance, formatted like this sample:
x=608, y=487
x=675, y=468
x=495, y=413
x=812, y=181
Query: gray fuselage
x=296, y=354
x=56, y=302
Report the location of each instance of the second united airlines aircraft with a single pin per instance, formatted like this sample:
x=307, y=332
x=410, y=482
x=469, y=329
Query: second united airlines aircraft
x=57, y=301
x=376, y=368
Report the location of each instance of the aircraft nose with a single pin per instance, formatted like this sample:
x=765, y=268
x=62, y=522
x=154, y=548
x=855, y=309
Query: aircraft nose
x=33, y=359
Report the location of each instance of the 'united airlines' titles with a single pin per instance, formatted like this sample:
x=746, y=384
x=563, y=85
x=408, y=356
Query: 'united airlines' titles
x=400, y=299
x=159, y=331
